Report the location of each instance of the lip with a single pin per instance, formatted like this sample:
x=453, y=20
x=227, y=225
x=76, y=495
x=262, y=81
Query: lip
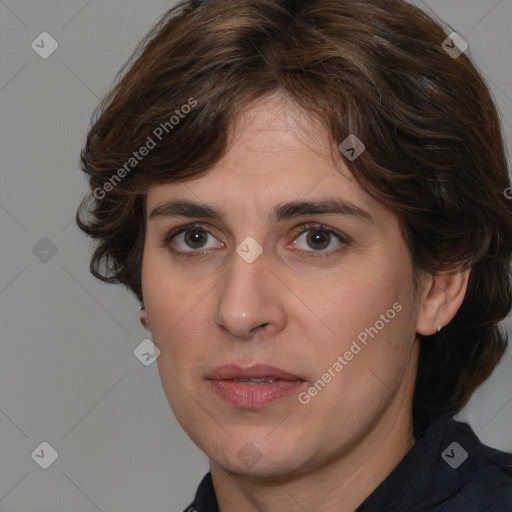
x=252, y=396
x=257, y=371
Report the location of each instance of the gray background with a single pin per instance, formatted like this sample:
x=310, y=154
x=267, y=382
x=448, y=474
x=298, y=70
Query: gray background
x=68, y=375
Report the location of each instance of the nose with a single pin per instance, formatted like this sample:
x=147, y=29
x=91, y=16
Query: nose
x=250, y=299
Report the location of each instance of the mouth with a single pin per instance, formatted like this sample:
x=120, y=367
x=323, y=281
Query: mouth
x=253, y=387
x=255, y=374
x=255, y=381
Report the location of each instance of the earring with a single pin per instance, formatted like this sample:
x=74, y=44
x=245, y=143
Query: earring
x=439, y=329
x=143, y=316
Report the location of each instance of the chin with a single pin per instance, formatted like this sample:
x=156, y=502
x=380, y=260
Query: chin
x=276, y=470
x=278, y=460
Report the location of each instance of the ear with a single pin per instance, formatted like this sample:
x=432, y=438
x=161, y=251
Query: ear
x=144, y=320
x=442, y=297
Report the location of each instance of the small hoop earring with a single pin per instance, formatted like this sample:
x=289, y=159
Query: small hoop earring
x=439, y=329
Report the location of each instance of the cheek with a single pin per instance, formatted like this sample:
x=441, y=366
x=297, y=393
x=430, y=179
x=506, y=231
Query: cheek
x=163, y=293
x=354, y=302
x=177, y=317
x=367, y=316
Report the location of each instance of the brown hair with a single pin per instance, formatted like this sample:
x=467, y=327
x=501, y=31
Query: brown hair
x=375, y=68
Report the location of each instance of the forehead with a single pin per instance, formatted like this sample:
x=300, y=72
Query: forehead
x=276, y=153
x=275, y=125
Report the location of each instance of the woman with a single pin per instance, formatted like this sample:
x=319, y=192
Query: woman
x=307, y=197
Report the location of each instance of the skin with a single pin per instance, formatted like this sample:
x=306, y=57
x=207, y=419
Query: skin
x=295, y=312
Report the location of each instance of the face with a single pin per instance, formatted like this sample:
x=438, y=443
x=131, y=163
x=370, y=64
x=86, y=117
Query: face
x=291, y=266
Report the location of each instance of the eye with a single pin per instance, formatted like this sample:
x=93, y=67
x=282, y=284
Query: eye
x=190, y=239
x=318, y=238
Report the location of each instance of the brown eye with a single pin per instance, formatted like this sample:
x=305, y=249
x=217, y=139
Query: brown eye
x=191, y=240
x=318, y=239
x=195, y=238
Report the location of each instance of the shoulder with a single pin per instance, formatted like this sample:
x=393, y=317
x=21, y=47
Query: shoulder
x=448, y=470
x=479, y=476
x=205, y=499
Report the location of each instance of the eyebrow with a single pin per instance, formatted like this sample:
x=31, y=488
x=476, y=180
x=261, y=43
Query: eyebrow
x=293, y=209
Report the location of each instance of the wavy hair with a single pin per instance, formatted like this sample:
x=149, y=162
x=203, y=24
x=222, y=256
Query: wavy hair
x=434, y=155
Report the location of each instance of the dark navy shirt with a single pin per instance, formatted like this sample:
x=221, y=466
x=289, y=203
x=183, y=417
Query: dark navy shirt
x=447, y=470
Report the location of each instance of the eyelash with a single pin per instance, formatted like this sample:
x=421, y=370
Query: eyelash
x=199, y=254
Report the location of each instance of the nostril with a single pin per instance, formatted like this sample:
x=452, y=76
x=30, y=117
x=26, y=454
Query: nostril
x=259, y=326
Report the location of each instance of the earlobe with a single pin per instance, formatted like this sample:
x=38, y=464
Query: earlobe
x=442, y=298
x=144, y=320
